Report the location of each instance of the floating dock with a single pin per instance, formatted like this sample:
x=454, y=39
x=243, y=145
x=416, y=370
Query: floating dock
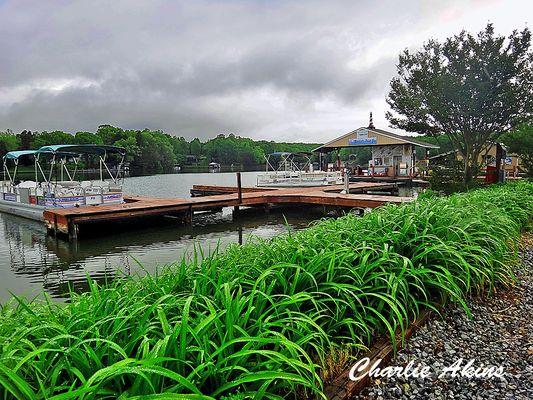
x=67, y=221
x=355, y=188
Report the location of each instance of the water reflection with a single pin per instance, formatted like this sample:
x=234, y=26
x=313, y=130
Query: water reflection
x=33, y=261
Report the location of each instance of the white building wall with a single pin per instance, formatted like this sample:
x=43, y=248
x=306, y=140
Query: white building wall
x=389, y=155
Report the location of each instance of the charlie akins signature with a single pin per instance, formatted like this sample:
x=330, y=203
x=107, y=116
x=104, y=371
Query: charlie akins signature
x=468, y=370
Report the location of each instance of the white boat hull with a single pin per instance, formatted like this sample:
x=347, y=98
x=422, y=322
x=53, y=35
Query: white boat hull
x=30, y=211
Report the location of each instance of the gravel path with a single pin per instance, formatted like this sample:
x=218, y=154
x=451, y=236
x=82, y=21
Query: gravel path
x=499, y=333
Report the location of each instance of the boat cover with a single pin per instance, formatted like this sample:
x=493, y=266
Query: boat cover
x=82, y=149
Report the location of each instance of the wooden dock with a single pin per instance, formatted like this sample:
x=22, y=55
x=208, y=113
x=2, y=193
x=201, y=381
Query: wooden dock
x=355, y=188
x=67, y=221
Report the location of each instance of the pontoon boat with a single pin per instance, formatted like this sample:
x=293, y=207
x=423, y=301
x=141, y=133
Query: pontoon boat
x=291, y=173
x=58, y=187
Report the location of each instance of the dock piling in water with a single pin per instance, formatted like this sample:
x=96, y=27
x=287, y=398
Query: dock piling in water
x=239, y=187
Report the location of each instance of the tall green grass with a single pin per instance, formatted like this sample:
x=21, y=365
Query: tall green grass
x=259, y=320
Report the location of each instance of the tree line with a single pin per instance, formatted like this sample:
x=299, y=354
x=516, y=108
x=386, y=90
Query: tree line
x=153, y=151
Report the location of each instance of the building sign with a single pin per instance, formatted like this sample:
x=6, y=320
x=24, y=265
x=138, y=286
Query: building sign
x=362, y=139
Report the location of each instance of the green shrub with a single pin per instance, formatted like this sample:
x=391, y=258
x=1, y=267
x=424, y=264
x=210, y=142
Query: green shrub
x=448, y=178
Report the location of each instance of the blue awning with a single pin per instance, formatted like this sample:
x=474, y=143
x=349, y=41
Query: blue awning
x=285, y=153
x=13, y=155
x=66, y=150
x=82, y=149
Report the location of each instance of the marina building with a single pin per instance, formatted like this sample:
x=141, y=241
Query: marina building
x=393, y=155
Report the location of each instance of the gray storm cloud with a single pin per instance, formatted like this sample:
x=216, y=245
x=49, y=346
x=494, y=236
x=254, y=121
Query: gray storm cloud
x=282, y=70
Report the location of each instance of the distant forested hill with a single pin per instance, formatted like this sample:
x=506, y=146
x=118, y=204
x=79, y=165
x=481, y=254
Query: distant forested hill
x=150, y=152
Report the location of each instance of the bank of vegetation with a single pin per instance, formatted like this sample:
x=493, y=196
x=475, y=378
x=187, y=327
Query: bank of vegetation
x=152, y=152
x=269, y=318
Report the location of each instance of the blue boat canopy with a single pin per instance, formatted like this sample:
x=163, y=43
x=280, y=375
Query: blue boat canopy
x=66, y=150
x=286, y=153
x=13, y=155
x=82, y=149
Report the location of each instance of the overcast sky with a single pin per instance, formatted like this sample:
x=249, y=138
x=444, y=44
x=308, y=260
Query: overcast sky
x=281, y=70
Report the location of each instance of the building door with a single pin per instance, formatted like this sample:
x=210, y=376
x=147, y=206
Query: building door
x=396, y=160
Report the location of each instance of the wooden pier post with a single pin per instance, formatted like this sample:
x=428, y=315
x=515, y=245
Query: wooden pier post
x=239, y=194
x=55, y=226
x=346, y=183
x=73, y=231
x=189, y=215
x=239, y=187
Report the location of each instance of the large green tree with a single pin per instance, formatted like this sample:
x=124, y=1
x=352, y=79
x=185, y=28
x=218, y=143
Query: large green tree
x=87, y=138
x=50, y=138
x=26, y=139
x=471, y=88
x=8, y=142
x=195, y=147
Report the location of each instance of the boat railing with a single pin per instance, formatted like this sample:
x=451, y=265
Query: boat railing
x=63, y=193
x=299, y=177
x=332, y=174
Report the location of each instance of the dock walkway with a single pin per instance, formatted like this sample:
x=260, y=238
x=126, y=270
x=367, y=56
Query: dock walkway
x=67, y=221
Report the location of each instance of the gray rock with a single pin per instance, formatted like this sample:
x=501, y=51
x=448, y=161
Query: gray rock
x=498, y=334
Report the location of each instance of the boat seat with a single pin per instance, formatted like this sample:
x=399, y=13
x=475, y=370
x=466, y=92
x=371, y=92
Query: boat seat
x=70, y=192
x=68, y=184
x=27, y=184
x=93, y=190
x=100, y=184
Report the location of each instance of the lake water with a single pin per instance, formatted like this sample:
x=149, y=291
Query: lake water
x=31, y=261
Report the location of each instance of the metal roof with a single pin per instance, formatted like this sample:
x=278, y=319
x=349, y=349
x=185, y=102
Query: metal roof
x=406, y=139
